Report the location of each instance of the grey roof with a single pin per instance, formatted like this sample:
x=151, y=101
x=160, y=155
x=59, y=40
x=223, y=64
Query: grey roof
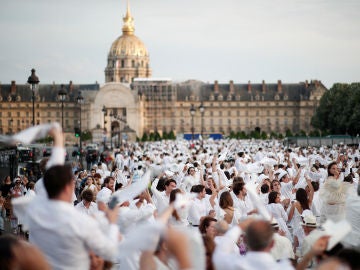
x=47, y=92
x=291, y=92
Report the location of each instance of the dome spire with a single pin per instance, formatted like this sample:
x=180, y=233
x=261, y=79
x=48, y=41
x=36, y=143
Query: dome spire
x=128, y=27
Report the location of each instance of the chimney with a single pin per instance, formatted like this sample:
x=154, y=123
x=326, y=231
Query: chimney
x=216, y=87
x=70, y=86
x=13, y=88
x=316, y=83
x=306, y=84
x=231, y=87
x=249, y=87
x=279, y=86
x=263, y=87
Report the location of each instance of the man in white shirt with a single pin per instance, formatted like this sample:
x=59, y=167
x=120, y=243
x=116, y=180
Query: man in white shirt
x=241, y=200
x=199, y=207
x=65, y=236
x=87, y=206
x=259, y=239
x=162, y=198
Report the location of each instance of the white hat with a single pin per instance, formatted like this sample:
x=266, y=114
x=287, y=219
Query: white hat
x=262, y=177
x=309, y=220
x=282, y=174
x=274, y=223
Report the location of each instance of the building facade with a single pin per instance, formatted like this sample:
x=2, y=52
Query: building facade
x=131, y=103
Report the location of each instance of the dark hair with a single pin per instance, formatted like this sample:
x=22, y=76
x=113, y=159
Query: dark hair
x=209, y=245
x=272, y=196
x=259, y=235
x=226, y=200
x=302, y=198
x=107, y=181
x=205, y=223
x=315, y=185
x=197, y=188
x=57, y=178
x=329, y=166
x=161, y=184
x=348, y=178
x=169, y=181
x=238, y=179
x=264, y=188
x=237, y=187
x=87, y=195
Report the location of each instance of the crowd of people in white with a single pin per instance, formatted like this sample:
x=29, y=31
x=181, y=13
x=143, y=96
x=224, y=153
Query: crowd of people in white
x=207, y=204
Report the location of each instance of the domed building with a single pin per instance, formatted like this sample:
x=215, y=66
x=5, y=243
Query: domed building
x=128, y=57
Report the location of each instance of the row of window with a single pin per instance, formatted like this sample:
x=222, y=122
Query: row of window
x=29, y=114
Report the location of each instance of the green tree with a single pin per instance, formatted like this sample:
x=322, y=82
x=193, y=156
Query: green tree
x=263, y=135
x=86, y=135
x=288, y=133
x=144, y=137
x=171, y=135
x=339, y=110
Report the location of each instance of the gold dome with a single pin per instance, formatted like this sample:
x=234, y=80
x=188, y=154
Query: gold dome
x=128, y=45
x=128, y=57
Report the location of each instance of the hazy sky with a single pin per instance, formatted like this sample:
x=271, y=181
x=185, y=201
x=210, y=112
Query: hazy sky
x=207, y=40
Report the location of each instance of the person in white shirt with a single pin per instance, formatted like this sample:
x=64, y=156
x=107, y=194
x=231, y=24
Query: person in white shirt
x=241, y=201
x=161, y=198
x=87, y=205
x=190, y=180
x=65, y=236
x=108, y=188
x=199, y=207
x=259, y=239
x=282, y=248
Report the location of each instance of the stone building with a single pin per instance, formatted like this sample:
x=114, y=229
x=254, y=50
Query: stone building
x=269, y=107
x=131, y=103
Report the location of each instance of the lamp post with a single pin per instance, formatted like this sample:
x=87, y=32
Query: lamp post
x=111, y=129
x=202, y=111
x=80, y=101
x=192, y=113
x=104, y=110
x=62, y=96
x=33, y=80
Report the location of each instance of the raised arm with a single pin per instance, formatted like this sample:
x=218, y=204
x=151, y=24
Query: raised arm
x=58, y=151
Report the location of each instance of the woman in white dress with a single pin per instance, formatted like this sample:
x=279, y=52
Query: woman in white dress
x=227, y=211
x=302, y=203
x=333, y=194
x=276, y=209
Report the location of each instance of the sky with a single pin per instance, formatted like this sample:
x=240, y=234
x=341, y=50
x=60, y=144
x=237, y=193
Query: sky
x=207, y=40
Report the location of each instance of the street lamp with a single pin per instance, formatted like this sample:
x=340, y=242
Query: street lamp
x=192, y=112
x=202, y=110
x=111, y=129
x=80, y=101
x=104, y=110
x=33, y=80
x=62, y=96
